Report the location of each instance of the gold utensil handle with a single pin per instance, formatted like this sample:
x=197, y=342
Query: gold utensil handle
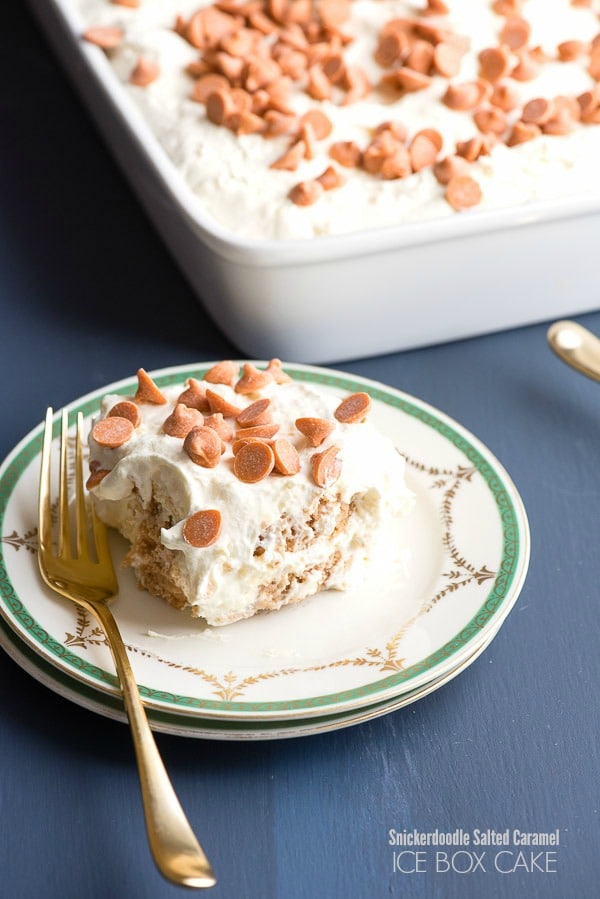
x=175, y=849
x=576, y=346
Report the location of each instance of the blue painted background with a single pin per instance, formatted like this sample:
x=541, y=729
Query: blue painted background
x=87, y=295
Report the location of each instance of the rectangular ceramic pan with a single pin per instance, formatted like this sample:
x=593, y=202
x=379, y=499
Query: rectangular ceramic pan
x=336, y=298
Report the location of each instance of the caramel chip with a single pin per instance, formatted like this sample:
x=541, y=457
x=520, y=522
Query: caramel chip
x=423, y=152
x=242, y=441
x=560, y=123
x=194, y=396
x=305, y=193
x=181, y=421
x=147, y=391
x=263, y=431
x=112, y=432
x=197, y=68
x=144, y=72
x=218, y=403
x=494, y=63
x=436, y=8
x=347, y=153
x=224, y=372
x=357, y=85
x=316, y=430
x=231, y=66
x=408, y=79
x=538, y=111
x=203, y=446
x=319, y=85
x=446, y=59
x=291, y=159
x=202, y=528
x=392, y=48
x=257, y=413
x=218, y=423
x=207, y=85
x=334, y=67
x=279, y=376
x=505, y=97
x=507, y=7
x=287, y=460
x=330, y=178
x=515, y=33
x=594, y=66
x=490, y=120
x=319, y=122
x=307, y=137
x=396, y=165
x=334, y=13
x=471, y=149
x=463, y=96
x=208, y=26
x=253, y=462
x=526, y=69
x=521, y=133
x=420, y=57
x=353, y=408
x=245, y=123
x=569, y=50
x=433, y=136
x=278, y=123
x=103, y=36
x=326, y=466
x=219, y=106
x=252, y=379
x=384, y=146
x=449, y=167
x=463, y=192
x=589, y=106
x=125, y=409
x=242, y=100
x=95, y=477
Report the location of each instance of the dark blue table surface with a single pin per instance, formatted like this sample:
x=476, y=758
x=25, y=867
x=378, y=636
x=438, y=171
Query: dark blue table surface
x=88, y=294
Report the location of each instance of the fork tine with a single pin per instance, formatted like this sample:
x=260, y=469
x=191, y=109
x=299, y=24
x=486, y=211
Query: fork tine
x=103, y=553
x=83, y=551
x=64, y=542
x=44, y=505
x=100, y=531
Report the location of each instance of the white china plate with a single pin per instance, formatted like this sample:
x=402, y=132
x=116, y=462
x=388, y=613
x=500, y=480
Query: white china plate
x=467, y=551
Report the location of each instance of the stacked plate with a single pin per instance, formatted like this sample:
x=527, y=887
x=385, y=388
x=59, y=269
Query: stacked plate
x=337, y=659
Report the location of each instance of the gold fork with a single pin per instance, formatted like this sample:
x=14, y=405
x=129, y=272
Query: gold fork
x=89, y=580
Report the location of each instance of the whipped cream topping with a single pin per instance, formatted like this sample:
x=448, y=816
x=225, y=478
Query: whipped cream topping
x=231, y=175
x=222, y=580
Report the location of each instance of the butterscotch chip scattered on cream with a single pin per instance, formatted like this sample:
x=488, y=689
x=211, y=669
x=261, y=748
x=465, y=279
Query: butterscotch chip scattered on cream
x=202, y=528
x=112, y=431
x=126, y=409
x=303, y=87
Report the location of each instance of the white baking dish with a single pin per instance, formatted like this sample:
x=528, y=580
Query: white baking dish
x=356, y=295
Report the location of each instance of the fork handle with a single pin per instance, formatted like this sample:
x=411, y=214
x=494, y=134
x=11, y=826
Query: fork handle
x=175, y=849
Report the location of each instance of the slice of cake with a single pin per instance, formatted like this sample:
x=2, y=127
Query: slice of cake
x=245, y=490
